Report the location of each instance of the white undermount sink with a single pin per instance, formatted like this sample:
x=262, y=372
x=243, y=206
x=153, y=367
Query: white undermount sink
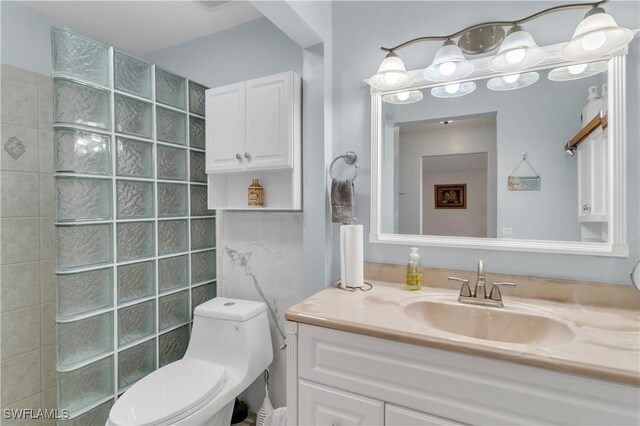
x=507, y=324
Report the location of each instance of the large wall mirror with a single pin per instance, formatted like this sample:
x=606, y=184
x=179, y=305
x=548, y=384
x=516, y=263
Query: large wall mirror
x=534, y=161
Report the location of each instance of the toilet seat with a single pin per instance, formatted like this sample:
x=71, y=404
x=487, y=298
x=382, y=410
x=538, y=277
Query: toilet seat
x=168, y=393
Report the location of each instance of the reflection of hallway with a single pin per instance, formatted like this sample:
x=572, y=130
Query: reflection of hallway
x=467, y=169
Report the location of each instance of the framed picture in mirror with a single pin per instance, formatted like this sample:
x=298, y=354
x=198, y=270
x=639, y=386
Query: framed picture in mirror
x=452, y=196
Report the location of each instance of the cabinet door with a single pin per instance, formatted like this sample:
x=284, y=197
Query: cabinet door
x=270, y=106
x=400, y=416
x=324, y=406
x=593, y=178
x=225, y=128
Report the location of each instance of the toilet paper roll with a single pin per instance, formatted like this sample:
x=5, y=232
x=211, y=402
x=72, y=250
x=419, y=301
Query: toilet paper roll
x=351, y=256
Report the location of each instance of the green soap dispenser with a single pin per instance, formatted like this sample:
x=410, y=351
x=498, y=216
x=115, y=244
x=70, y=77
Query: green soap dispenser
x=414, y=271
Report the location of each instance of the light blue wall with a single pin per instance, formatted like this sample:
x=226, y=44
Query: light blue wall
x=360, y=28
x=255, y=49
x=26, y=41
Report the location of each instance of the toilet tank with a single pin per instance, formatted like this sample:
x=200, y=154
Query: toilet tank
x=230, y=309
x=232, y=332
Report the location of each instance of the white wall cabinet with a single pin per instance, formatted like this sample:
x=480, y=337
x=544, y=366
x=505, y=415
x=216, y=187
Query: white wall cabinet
x=340, y=378
x=253, y=130
x=592, y=156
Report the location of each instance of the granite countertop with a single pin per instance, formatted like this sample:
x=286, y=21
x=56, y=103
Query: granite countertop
x=604, y=320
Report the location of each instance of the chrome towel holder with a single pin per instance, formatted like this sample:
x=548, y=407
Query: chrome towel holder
x=350, y=158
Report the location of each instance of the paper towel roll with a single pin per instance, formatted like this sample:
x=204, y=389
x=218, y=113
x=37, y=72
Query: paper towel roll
x=351, y=256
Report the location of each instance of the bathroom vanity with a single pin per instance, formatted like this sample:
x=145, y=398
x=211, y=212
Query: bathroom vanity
x=556, y=353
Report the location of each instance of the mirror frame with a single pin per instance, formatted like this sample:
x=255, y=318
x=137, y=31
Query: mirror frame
x=617, y=131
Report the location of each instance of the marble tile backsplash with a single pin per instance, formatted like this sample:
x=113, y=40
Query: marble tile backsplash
x=27, y=285
x=261, y=258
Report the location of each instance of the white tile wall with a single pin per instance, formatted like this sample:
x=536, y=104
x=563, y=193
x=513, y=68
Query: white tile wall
x=27, y=286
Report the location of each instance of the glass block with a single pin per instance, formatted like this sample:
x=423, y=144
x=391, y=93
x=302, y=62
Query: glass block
x=132, y=116
x=135, y=199
x=78, y=103
x=198, y=171
x=203, y=233
x=196, y=98
x=197, y=133
x=84, y=339
x=199, y=201
x=201, y=294
x=84, y=292
x=172, y=236
x=136, y=322
x=83, y=245
x=172, y=163
x=134, y=158
x=173, y=273
x=79, y=56
x=78, y=151
x=78, y=389
x=171, y=126
x=82, y=198
x=170, y=89
x=136, y=362
x=173, y=345
x=96, y=416
x=203, y=266
x=173, y=309
x=136, y=281
x=132, y=75
x=172, y=199
x=135, y=240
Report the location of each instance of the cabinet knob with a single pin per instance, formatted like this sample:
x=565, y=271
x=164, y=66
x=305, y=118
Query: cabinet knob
x=238, y=157
x=247, y=156
x=586, y=207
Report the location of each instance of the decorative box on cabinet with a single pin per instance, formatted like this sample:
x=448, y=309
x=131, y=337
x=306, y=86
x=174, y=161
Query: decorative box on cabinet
x=253, y=131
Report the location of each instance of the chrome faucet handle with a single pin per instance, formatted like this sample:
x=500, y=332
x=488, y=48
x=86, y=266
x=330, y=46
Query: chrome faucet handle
x=495, y=290
x=465, y=291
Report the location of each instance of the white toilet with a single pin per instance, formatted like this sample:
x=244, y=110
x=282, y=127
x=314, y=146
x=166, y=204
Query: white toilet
x=230, y=347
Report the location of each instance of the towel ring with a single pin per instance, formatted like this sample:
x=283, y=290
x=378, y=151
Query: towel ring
x=350, y=158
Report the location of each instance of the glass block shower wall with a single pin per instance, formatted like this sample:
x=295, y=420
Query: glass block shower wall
x=135, y=241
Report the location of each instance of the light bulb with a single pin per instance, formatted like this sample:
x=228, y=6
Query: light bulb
x=452, y=88
x=447, y=68
x=391, y=78
x=577, y=69
x=516, y=55
x=511, y=78
x=403, y=96
x=594, y=41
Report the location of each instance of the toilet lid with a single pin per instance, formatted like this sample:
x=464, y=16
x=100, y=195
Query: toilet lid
x=168, y=392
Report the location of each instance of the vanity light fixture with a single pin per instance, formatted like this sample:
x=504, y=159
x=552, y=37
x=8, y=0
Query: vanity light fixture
x=403, y=98
x=512, y=81
x=391, y=75
x=595, y=36
x=517, y=52
x=578, y=71
x=453, y=90
x=449, y=64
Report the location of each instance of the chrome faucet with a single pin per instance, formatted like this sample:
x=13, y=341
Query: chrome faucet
x=479, y=294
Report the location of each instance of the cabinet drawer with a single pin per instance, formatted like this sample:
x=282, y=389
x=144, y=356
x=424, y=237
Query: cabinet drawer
x=400, y=416
x=324, y=406
x=464, y=388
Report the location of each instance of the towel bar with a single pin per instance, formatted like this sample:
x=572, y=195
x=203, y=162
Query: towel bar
x=350, y=158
